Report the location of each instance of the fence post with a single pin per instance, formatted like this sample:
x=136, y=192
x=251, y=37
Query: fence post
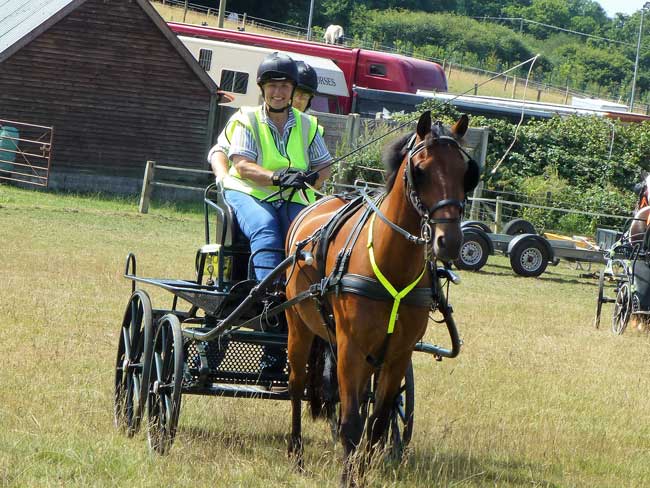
x=352, y=127
x=475, y=88
x=147, y=187
x=475, y=211
x=222, y=13
x=539, y=94
x=514, y=86
x=497, y=216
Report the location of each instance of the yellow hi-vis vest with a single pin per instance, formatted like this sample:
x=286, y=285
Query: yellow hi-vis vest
x=268, y=156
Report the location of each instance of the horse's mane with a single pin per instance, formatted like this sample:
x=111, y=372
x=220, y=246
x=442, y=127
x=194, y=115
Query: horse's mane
x=395, y=152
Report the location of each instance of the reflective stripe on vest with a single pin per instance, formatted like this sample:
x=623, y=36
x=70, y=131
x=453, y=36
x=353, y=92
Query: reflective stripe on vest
x=268, y=155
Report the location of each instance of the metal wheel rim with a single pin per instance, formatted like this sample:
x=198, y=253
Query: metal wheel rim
x=129, y=367
x=163, y=398
x=531, y=259
x=621, y=309
x=471, y=253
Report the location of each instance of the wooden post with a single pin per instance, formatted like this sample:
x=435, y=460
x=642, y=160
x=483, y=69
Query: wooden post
x=147, y=187
x=498, y=215
x=449, y=74
x=352, y=129
x=185, y=11
x=222, y=13
x=444, y=65
x=475, y=211
x=505, y=85
x=475, y=88
x=566, y=95
x=243, y=22
x=514, y=86
x=539, y=94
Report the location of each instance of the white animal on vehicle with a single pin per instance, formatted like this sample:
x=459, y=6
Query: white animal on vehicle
x=334, y=34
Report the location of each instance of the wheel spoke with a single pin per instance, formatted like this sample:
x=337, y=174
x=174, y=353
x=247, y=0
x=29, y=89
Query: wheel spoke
x=159, y=367
x=127, y=342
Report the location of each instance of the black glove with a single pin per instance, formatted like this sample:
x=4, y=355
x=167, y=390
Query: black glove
x=293, y=178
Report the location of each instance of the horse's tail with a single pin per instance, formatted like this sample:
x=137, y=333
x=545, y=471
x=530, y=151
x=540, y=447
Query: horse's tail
x=322, y=383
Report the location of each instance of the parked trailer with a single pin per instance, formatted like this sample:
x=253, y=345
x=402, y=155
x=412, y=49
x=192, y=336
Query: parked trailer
x=529, y=253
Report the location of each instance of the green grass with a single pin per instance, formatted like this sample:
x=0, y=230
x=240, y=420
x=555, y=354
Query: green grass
x=538, y=397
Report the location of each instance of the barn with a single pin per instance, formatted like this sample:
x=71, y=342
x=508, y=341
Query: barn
x=115, y=84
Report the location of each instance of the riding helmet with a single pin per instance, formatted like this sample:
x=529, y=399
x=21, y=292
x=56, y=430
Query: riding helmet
x=307, y=78
x=277, y=67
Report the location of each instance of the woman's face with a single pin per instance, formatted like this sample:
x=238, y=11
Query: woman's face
x=301, y=99
x=277, y=94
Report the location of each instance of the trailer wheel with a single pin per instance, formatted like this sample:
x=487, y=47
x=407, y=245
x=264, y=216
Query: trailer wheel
x=476, y=224
x=474, y=252
x=519, y=226
x=529, y=258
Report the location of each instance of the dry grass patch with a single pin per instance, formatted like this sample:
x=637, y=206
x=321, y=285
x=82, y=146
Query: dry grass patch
x=537, y=397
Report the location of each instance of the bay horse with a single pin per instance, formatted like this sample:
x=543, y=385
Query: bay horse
x=394, y=239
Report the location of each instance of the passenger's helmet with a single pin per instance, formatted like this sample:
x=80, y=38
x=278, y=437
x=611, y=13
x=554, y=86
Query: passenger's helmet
x=277, y=67
x=307, y=78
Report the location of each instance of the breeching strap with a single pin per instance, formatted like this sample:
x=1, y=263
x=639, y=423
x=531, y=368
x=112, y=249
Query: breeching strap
x=397, y=296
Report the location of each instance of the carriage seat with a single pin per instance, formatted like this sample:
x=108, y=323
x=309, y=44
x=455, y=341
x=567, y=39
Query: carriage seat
x=226, y=231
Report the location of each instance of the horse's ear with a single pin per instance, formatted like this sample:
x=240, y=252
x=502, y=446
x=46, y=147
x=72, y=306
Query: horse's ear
x=424, y=124
x=460, y=127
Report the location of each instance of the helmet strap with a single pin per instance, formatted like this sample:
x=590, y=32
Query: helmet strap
x=277, y=110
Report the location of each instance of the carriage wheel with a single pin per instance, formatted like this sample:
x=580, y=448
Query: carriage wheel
x=599, y=305
x=164, y=393
x=622, y=308
x=400, y=420
x=132, y=363
x=400, y=428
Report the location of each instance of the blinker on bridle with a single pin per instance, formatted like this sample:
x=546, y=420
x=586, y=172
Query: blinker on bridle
x=425, y=213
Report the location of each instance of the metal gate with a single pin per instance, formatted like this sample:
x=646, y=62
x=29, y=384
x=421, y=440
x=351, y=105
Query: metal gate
x=25, y=152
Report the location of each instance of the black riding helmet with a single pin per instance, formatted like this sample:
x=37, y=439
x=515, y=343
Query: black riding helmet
x=307, y=78
x=277, y=67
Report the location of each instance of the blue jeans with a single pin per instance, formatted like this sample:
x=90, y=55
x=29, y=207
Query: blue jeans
x=265, y=224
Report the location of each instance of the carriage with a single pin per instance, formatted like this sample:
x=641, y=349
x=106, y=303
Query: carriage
x=627, y=267
x=220, y=329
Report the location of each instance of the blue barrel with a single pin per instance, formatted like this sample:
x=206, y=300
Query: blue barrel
x=8, y=142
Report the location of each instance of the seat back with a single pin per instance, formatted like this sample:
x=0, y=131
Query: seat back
x=232, y=242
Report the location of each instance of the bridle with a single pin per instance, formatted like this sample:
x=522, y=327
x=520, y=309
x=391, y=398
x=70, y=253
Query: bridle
x=411, y=190
x=427, y=221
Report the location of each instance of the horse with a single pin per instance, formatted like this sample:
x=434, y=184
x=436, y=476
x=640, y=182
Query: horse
x=334, y=34
x=397, y=236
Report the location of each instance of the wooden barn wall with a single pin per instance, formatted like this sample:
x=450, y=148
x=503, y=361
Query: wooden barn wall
x=114, y=89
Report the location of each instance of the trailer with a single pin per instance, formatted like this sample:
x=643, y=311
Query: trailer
x=529, y=253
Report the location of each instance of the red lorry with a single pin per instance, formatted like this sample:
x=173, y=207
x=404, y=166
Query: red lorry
x=361, y=67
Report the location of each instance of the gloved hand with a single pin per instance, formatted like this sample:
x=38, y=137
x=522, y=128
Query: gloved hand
x=293, y=178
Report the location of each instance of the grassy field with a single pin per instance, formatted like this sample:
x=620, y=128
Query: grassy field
x=536, y=398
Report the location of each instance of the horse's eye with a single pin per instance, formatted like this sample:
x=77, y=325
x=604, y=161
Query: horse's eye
x=418, y=173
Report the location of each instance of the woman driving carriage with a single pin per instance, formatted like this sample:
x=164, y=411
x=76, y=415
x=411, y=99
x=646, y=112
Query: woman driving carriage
x=276, y=152
x=305, y=91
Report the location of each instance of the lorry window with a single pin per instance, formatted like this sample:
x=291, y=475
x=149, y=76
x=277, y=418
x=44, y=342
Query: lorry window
x=205, y=58
x=378, y=69
x=233, y=81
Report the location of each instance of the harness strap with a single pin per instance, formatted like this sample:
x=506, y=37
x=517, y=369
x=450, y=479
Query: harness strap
x=368, y=287
x=375, y=208
x=397, y=295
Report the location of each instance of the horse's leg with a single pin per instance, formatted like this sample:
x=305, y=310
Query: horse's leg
x=353, y=373
x=298, y=348
x=390, y=379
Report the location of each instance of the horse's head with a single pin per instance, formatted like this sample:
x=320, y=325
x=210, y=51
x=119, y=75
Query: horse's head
x=439, y=174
